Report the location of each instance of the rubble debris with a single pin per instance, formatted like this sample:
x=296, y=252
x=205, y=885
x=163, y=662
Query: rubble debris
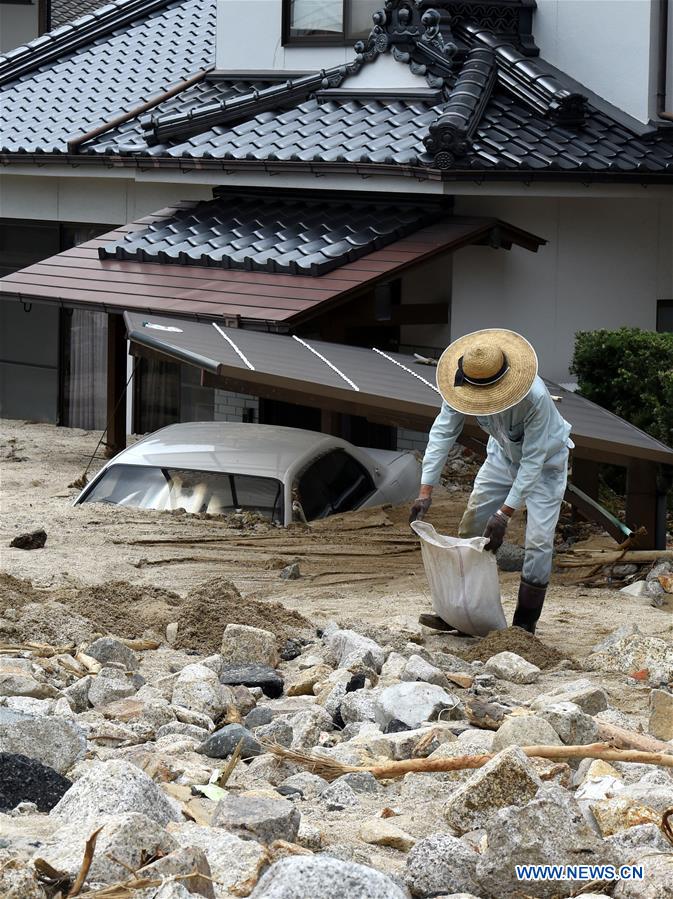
x=31, y=540
x=23, y=779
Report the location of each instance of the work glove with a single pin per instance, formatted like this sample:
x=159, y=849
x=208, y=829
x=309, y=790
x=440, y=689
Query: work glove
x=495, y=530
x=419, y=508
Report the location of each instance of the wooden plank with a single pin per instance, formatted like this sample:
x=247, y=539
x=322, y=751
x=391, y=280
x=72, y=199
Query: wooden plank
x=643, y=503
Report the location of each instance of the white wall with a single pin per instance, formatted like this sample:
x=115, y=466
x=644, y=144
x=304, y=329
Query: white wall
x=609, y=45
x=112, y=201
x=18, y=24
x=606, y=264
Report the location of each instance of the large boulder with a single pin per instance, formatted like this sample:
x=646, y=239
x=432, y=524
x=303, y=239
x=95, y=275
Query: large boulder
x=441, y=864
x=573, y=726
x=54, y=741
x=413, y=703
x=113, y=788
x=123, y=842
x=548, y=830
x=509, y=779
x=322, y=877
x=633, y=653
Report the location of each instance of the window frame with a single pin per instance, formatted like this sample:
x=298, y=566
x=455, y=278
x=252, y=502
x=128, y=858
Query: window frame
x=344, y=38
x=661, y=305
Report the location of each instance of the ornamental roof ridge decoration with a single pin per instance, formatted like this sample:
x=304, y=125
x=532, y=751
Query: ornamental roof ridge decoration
x=527, y=79
x=450, y=136
x=162, y=128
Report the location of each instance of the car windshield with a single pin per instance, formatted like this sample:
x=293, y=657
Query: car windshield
x=164, y=489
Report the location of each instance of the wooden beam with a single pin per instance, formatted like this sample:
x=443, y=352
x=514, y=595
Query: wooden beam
x=646, y=503
x=116, y=383
x=585, y=478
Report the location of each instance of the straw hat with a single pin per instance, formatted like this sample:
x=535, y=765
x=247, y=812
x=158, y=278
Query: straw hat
x=487, y=371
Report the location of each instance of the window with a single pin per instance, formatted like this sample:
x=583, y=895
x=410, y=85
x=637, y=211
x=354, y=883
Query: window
x=165, y=489
x=665, y=315
x=335, y=482
x=327, y=21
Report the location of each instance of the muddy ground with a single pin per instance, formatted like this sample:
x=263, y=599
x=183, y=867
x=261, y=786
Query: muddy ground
x=364, y=569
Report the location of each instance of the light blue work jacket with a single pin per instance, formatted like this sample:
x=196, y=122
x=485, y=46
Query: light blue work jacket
x=530, y=435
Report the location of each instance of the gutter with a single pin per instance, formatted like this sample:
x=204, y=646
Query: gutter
x=662, y=63
x=365, y=170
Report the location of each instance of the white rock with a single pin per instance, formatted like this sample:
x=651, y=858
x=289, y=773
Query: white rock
x=231, y=859
x=198, y=688
x=572, y=725
x=113, y=788
x=590, y=698
x=56, y=742
x=636, y=652
x=345, y=644
x=637, y=588
x=241, y=643
x=512, y=667
x=417, y=669
x=127, y=837
x=509, y=779
x=525, y=730
x=322, y=877
x=414, y=703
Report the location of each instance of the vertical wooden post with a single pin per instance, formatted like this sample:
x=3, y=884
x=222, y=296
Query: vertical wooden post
x=584, y=477
x=116, y=383
x=645, y=503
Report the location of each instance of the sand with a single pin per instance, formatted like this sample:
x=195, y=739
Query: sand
x=363, y=569
x=513, y=639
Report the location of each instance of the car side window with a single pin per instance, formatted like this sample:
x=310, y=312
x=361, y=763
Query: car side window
x=336, y=482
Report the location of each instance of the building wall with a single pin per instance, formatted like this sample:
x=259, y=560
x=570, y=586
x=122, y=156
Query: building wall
x=229, y=406
x=112, y=201
x=18, y=24
x=29, y=377
x=606, y=264
x=609, y=45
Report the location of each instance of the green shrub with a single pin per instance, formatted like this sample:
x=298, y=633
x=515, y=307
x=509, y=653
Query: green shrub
x=629, y=372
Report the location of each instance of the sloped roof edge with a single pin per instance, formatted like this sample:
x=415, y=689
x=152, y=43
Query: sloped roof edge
x=73, y=35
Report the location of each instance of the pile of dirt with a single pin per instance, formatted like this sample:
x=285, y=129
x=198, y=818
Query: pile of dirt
x=209, y=608
x=15, y=592
x=513, y=639
x=125, y=610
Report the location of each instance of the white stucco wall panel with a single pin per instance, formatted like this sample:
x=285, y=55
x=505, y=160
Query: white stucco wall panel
x=605, y=44
x=602, y=268
x=18, y=24
x=105, y=201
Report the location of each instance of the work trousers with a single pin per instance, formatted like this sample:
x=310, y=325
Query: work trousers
x=543, y=505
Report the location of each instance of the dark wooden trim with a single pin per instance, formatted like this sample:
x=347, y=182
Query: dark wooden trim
x=116, y=383
x=585, y=477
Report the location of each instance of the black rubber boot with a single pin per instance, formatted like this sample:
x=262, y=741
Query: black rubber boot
x=529, y=606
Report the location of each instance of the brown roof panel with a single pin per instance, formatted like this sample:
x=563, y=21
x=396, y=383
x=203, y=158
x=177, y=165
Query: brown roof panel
x=77, y=277
x=380, y=385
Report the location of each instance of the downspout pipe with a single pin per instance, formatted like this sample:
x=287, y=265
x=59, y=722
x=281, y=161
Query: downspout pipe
x=662, y=67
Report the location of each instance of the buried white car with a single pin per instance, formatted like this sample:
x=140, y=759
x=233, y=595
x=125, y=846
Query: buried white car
x=281, y=473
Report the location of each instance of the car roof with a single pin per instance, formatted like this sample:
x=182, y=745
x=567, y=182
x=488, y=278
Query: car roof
x=263, y=450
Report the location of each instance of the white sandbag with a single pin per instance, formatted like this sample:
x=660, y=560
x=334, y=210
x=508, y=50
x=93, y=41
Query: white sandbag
x=463, y=580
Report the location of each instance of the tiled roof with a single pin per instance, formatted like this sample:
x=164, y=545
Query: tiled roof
x=63, y=11
x=515, y=129
x=295, y=236
x=112, y=74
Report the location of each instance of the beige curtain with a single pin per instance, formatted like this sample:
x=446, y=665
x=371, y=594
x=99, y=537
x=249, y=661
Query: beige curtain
x=85, y=381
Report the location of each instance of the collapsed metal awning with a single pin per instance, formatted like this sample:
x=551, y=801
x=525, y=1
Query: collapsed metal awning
x=385, y=387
